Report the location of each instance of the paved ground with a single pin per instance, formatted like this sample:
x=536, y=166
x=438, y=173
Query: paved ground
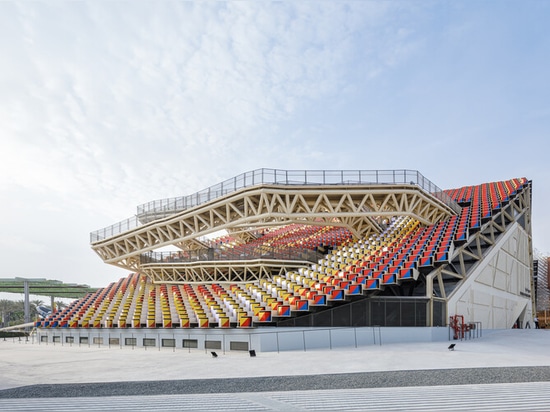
x=508, y=370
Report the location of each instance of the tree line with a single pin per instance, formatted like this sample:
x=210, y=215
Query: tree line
x=13, y=312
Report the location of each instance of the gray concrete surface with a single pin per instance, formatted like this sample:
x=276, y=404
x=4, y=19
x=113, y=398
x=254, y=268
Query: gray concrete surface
x=43, y=373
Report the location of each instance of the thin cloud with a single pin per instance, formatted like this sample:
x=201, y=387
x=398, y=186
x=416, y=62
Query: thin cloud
x=115, y=94
x=104, y=107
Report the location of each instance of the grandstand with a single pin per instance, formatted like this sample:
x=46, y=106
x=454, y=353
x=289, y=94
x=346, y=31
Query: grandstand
x=308, y=249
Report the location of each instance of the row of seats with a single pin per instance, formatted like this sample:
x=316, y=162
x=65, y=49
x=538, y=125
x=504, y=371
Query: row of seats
x=193, y=305
x=291, y=236
x=484, y=200
x=276, y=243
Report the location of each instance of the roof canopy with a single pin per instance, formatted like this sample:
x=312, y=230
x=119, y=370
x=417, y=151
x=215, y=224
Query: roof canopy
x=45, y=287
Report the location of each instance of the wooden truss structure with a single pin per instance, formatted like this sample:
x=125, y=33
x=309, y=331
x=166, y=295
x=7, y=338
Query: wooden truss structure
x=217, y=271
x=357, y=207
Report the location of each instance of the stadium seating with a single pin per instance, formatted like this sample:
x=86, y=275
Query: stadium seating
x=350, y=269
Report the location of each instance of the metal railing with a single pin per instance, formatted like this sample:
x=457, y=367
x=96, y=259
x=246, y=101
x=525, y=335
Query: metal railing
x=164, y=207
x=213, y=255
x=273, y=340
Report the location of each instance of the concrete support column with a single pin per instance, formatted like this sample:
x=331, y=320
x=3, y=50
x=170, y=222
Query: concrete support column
x=27, y=302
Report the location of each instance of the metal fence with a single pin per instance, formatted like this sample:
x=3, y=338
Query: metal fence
x=213, y=255
x=239, y=340
x=276, y=177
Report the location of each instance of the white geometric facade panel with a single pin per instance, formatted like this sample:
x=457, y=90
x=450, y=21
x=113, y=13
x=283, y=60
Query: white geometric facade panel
x=497, y=292
x=486, y=277
x=500, y=280
x=543, y=293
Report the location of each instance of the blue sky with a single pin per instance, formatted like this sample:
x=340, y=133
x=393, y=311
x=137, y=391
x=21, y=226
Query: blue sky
x=105, y=105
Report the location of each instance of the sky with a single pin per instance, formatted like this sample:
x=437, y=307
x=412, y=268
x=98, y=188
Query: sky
x=106, y=105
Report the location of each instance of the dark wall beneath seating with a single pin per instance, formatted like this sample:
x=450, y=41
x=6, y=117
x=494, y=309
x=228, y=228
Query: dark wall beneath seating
x=373, y=312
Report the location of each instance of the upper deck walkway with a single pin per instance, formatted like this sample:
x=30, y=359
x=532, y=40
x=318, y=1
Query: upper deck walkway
x=349, y=198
